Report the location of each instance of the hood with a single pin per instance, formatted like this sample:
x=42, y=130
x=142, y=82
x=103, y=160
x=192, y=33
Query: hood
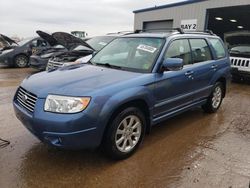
x=69, y=41
x=7, y=39
x=51, y=40
x=75, y=81
x=237, y=38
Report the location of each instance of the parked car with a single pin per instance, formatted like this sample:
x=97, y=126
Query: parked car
x=76, y=48
x=83, y=52
x=239, y=49
x=39, y=60
x=18, y=54
x=133, y=83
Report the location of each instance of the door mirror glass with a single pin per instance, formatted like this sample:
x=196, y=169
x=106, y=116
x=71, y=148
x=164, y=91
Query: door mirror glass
x=172, y=64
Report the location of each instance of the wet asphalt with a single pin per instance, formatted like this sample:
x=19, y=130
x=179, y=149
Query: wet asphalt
x=193, y=149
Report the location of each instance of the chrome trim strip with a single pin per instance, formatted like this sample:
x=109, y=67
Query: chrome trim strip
x=178, y=110
x=180, y=97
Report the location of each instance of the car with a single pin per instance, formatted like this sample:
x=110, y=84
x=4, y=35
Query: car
x=83, y=52
x=18, y=54
x=76, y=48
x=134, y=83
x=239, y=49
x=39, y=60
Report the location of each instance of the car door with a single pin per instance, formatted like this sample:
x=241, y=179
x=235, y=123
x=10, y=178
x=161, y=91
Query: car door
x=173, y=88
x=203, y=68
x=38, y=45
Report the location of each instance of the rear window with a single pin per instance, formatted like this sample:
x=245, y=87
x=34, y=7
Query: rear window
x=218, y=47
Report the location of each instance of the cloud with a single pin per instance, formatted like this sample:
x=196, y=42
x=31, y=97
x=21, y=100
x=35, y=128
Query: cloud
x=96, y=17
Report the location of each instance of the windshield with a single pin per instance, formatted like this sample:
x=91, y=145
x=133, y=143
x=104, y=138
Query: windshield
x=24, y=41
x=241, y=49
x=135, y=54
x=100, y=42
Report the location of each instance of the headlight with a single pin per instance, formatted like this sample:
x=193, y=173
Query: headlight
x=64, y=104
x=67, y=64
x=84, y=59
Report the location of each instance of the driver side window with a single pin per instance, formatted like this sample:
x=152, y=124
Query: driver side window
x=179, y=49
x=41, y=43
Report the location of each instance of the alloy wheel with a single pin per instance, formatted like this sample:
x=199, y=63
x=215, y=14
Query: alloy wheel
x=128, y=133
x=217, y=96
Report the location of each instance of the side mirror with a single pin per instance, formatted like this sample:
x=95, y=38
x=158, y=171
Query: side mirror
x=172, y=64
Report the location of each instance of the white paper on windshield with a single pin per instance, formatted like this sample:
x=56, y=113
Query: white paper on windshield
x=146, y=48
x=103, y=43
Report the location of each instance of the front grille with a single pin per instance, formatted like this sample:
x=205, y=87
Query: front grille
x=54, y=65
x=240, y=62
x=26, y=99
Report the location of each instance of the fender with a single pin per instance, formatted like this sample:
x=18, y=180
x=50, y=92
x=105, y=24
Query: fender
x=121, y=98
x=223, y=72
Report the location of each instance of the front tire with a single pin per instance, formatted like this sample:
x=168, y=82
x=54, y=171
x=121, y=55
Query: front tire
x=21, y=61
x=215, y=99
x=125, y=134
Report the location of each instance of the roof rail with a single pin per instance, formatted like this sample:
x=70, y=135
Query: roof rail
x=121, y=32
x=180, y=30
x=206, y=32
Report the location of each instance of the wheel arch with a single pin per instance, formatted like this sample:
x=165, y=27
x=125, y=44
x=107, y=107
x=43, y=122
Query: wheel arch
x=20, y=54
x=141, y=104
x=223, y=80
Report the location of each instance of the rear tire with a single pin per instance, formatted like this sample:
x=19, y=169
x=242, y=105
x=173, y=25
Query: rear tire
x=215, y=99
x=125, y=133
x=21, y=61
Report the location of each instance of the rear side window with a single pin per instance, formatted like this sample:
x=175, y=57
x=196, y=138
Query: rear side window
x=218, y=47
x=179, y=49
x=200, y=50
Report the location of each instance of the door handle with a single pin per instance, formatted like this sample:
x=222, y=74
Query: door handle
x=214, y=66
x=189, y=73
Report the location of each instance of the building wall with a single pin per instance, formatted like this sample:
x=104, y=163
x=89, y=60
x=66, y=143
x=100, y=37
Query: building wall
x=189, y=11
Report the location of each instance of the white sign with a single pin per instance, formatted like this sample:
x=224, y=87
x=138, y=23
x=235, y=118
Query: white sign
x=189, y=24
x=146, y=48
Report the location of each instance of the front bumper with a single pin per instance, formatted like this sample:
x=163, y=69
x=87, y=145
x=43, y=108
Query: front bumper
x=5, y=60
x=240, y=73
x=38, y=63
x=69, y=131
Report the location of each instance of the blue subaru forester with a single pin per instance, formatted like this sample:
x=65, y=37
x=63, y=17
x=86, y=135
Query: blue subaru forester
x=135, y=82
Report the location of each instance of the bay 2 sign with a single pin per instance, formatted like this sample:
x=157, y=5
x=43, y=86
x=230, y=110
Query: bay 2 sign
x=189, y=24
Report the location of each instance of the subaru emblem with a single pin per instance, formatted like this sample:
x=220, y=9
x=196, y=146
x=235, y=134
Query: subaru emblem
x=25, y=98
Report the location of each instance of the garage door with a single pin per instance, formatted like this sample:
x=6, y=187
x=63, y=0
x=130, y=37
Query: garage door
x=158, y=25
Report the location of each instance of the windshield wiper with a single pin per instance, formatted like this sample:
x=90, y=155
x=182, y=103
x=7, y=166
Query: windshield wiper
x=108, y=65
